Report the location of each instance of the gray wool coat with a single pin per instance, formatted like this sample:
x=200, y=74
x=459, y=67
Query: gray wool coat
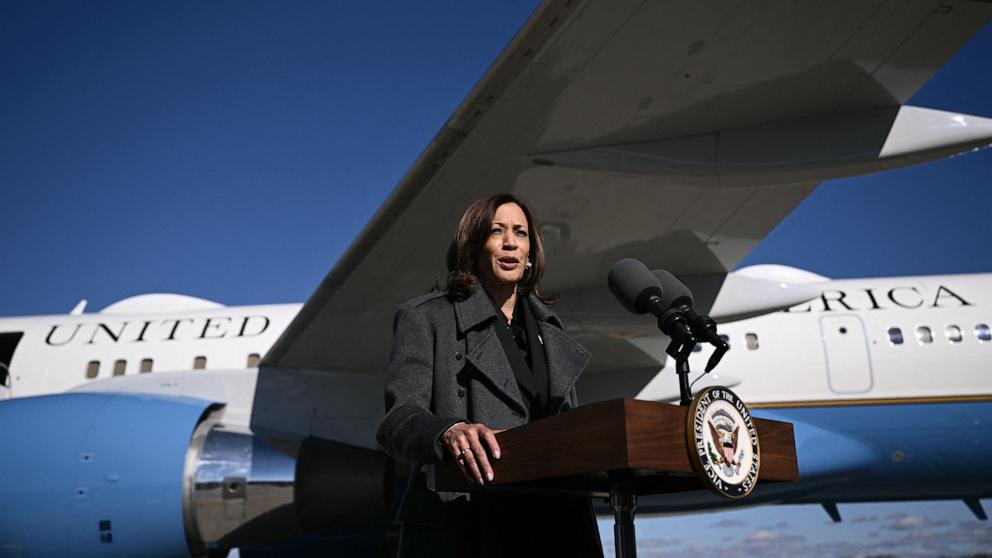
x=447, y=365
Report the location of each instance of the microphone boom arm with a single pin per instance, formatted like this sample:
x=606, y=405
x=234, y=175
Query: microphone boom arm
x=686, y=328
x=674, y=324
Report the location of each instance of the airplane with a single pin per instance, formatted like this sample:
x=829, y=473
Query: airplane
x=658, y=114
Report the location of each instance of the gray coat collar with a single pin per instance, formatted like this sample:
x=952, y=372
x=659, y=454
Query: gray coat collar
x=565, y=357
x=477, y=308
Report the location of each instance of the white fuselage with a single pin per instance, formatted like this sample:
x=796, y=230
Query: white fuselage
x=839, y=348
x=61, y=352
x=844, y=346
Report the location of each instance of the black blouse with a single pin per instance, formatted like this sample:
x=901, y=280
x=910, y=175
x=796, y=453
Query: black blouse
x=524, y=350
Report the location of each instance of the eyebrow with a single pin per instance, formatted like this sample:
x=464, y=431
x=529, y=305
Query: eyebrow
x=502, y=224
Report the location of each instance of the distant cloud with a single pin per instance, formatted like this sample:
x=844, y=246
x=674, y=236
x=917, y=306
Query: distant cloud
x=729, y=523
x=916, y=538
x=865, y=536
x=965, y=538
x=763, y=542
x=758, y=543
x=658, y=542
x=909, y=522
x=976, y=532
x=916, y=522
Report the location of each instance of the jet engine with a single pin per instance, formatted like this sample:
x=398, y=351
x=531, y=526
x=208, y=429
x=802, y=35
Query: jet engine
x=135, y=475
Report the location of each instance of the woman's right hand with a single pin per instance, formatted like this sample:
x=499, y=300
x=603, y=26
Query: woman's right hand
x=465, y=442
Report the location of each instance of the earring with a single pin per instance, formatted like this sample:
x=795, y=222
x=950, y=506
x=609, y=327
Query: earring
x=528, y=265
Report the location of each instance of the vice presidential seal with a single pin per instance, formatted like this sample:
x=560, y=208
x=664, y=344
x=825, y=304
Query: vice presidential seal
x=723, y=443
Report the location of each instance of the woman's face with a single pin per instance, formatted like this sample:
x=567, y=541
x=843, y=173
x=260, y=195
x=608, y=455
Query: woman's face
x=505, y=252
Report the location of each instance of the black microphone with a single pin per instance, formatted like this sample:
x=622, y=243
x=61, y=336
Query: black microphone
x=703, y=327
x=659, y=292
x=677, y=293
x=640, y=292
x=637, y=289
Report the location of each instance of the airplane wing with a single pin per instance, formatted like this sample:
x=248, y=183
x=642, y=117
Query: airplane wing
x=680, y=133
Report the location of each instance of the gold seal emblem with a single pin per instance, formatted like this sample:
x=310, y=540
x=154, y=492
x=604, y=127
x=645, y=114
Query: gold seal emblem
x=723, y=442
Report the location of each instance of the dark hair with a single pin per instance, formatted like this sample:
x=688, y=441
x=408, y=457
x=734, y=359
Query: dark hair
x=470, y=237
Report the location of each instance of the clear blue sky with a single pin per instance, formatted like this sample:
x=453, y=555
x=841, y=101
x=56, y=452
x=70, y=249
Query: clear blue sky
x=232, y=150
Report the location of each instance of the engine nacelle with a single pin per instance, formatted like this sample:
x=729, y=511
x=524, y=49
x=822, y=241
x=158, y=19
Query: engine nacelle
x=132, y=475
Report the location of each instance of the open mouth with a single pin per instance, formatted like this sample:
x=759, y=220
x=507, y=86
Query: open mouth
x=508, y=263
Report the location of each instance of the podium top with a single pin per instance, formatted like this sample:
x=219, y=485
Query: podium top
x=582, y=450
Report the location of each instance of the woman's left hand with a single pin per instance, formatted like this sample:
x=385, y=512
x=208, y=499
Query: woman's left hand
x=464, y=442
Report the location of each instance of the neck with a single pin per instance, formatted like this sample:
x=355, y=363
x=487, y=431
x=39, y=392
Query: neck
x=505, y=297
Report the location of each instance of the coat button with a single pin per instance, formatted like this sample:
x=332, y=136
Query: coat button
x=461, y=392
x=458, y=355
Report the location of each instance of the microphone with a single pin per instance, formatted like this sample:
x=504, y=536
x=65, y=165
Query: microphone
x=678, y=293
x=640, y=291
x=659, y=292
x=637, y=289
x=703, y=327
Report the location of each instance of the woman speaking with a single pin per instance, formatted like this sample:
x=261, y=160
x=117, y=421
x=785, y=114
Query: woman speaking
x=484, y=355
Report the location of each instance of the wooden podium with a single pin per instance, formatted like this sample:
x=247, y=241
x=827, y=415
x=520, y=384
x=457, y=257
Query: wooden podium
x=618, y=449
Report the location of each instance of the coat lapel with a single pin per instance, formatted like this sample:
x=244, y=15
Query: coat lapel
x=566, y=357
x=488, y=357
x=566, y=360
x=483, y=350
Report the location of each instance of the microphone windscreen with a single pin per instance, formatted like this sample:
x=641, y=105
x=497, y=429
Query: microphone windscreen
x=675, y=291
x=633, y=284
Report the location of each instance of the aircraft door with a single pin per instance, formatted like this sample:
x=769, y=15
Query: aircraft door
x=8, y=342
x=846, y=352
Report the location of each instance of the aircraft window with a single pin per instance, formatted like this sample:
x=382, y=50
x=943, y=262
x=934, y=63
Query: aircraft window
x=697, y=347
x=953, y=333
x=895, y=336
x=253, y=360
x=199, y=363
x=751, y=341
x=92, y=369
x=982, y=332
x=146, y=365
x=924, y=335
x=119, y=367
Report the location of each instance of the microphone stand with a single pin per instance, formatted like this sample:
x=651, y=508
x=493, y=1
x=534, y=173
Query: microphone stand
x=674, y=324
x=686, y=328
